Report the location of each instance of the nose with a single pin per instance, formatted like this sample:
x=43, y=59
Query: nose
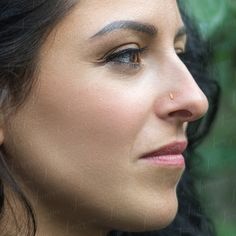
x=182, y=99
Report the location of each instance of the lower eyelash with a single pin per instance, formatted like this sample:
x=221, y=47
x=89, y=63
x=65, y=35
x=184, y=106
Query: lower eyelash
x=130, y=65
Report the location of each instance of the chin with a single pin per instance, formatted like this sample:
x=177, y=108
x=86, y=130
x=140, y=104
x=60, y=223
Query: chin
x=149, y=218
x=162, y=218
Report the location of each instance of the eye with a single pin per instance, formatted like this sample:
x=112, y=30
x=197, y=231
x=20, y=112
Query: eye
x=181, y=53
x=127, y=57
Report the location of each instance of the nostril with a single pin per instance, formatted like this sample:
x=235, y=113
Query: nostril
x=181, y=113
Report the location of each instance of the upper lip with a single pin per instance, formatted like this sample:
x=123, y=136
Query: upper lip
x=174, y=148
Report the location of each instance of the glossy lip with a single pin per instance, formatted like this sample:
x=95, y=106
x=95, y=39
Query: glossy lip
x=174, y=148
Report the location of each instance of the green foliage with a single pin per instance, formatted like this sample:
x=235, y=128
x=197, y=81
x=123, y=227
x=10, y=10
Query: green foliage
x=217, y=22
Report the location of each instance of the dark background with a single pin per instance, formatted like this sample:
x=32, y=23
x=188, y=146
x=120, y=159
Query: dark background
x=217, y=183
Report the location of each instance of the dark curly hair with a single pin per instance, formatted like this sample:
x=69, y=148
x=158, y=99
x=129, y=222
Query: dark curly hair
x=18, y=64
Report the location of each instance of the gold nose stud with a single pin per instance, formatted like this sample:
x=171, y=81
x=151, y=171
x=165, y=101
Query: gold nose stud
x=171, y=96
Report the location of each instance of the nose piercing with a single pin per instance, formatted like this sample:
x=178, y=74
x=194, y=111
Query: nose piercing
x=171, y=96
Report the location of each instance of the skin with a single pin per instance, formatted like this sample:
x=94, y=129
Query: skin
x=74, y=146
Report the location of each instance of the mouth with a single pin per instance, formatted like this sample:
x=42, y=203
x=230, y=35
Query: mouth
x=170, y=154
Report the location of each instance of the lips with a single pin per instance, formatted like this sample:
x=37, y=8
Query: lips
x=169, y=149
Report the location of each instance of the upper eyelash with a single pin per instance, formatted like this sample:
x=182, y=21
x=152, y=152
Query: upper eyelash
x=112, y=56
x=128, y=50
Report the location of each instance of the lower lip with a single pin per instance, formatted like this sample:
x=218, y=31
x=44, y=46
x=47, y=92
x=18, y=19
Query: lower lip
x=168, y=160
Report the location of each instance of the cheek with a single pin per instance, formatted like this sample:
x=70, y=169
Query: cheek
x=111, y=111
x=106, y=115
x=93, y=125
x=97, y=108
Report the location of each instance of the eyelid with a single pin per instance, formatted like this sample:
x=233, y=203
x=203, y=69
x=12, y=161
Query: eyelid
x=181, y=50
x=116, y=59
x=120, y=49
x=183, y=39
x=124, y=51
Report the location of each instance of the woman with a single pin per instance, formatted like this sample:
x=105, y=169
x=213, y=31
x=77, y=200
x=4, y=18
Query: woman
x=89, y=93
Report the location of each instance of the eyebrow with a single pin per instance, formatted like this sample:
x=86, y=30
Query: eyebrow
x=146, y=28
x=131, y=25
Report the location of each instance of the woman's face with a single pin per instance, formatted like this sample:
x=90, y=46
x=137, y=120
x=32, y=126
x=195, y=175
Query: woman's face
x=76, y=143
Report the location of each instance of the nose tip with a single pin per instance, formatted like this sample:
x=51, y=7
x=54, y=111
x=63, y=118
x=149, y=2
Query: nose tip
x=199, y=106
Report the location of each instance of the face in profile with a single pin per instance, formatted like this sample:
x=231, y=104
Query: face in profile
x=111, y=88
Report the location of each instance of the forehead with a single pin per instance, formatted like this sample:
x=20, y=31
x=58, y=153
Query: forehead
x=91, y=15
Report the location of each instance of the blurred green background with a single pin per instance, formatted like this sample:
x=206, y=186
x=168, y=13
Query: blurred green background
x=217, y=185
